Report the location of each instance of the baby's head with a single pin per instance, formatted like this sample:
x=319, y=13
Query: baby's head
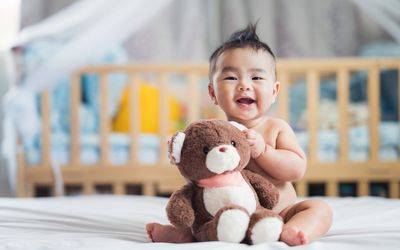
x=243, y=76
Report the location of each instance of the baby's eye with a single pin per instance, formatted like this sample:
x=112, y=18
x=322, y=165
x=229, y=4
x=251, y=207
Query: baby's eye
x=257, y=78
x=230, y=78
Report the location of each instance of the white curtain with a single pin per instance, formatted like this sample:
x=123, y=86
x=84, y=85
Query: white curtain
x=311, y=28
x=88, y=30
x=385, y=13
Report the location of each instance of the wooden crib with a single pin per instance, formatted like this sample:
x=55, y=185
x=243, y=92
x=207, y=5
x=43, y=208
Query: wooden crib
x=162, y=178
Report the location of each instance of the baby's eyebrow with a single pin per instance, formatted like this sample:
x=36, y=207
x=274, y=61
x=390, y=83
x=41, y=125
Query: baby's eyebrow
x=233, y=69
x=258, y=70
x=228, y=69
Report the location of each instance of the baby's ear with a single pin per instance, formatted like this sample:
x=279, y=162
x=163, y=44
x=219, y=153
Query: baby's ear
x=275, y=91
x=239, y=126
x=175, y=147
x=211, y=93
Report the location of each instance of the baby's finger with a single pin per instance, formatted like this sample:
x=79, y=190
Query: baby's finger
x=250, y=135
x=251, y=142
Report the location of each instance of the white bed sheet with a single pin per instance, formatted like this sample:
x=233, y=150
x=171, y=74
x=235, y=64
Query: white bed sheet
x=118, y=222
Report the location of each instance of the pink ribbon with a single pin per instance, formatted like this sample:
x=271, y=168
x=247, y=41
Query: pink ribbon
x=222, y=180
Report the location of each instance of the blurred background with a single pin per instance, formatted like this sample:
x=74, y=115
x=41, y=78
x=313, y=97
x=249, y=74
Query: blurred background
x=51, y=38
x=191, y=30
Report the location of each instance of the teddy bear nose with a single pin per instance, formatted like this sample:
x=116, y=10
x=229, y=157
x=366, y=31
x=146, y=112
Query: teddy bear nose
x=223, y=149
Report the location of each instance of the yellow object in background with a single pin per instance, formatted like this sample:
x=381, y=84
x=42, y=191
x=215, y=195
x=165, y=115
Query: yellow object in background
x=149, y=108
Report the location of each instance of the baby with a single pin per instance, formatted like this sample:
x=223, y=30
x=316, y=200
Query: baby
x=243, y=83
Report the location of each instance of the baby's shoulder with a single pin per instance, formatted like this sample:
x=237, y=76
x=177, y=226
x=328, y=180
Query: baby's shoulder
x=276, y=124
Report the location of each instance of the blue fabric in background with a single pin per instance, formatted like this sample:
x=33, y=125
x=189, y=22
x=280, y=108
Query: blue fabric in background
x=389, y=95
x=389, y=79
x=89, y=108
x=33, y=55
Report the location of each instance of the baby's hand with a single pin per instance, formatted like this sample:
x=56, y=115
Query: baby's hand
x=256, y=141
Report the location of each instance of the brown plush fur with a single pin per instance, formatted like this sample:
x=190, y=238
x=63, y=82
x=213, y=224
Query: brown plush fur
x=186, y=207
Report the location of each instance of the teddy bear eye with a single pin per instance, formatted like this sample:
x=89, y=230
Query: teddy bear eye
x=206, y=150
x=233, y=143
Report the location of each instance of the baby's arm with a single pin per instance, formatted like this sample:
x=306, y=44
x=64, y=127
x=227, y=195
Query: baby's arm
x=286, y=162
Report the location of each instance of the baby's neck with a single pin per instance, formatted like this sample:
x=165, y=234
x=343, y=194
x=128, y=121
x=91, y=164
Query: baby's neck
x=250, y=124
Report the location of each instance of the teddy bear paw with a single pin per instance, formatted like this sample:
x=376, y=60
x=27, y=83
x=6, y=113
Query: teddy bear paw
x=232, y=225
x=266, y=230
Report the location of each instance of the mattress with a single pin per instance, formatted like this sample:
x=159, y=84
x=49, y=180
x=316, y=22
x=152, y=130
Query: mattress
x=149, y=144
x=118, y=222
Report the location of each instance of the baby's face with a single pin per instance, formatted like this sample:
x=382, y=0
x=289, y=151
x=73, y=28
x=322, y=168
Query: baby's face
x=244, y=83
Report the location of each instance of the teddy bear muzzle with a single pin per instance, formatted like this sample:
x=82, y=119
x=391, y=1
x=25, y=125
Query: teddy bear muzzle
x=222, y=158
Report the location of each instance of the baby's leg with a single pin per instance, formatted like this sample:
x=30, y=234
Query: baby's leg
x=305, y=222
x=168, y=233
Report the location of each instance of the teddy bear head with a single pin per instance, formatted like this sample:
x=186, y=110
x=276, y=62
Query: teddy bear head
x=209, y=147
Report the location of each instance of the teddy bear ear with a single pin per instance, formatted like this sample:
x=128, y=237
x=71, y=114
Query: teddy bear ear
x=175, y=147
x=239, y=126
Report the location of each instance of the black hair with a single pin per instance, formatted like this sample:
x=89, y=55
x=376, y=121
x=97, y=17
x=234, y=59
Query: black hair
x=245, y=38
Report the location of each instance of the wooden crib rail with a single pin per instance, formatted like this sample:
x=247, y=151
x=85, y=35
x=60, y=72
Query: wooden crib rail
x=161, y=177
x=343, y=170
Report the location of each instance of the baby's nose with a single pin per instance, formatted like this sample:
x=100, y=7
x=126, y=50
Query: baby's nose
x=223, y=149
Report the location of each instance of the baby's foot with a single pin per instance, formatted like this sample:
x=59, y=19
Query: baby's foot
x=168, y=233
x=293, y=236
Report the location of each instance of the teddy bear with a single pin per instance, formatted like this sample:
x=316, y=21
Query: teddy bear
x=221, y=200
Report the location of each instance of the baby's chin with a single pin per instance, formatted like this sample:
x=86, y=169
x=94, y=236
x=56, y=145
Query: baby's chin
x=244, y=117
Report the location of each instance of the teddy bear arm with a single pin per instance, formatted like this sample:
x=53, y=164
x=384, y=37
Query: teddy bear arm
x=179, y=208
x=267, y=193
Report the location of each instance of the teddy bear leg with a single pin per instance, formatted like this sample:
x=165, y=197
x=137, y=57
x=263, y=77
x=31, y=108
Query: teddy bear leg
x=233, y=222
x=229, y=225
x=265, y=226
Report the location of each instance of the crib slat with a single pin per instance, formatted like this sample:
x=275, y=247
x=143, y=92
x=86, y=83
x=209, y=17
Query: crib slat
x=193, y=97
x=163, y=119
x=394, y=191
x=88, y=188
x=301, y=188
x=312, y=108
x=22, y=185
x=74, y=118
x=343, y=99
x=363, y=189
x=283, y=99
x=46, y=129
x=149, y=189
x=134, y=119
x=332, y=189
x=374, y=107
x=104, y=121
x=118, y=188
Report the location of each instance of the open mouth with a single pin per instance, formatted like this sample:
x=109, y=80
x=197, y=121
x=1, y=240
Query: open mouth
x=246, y=100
